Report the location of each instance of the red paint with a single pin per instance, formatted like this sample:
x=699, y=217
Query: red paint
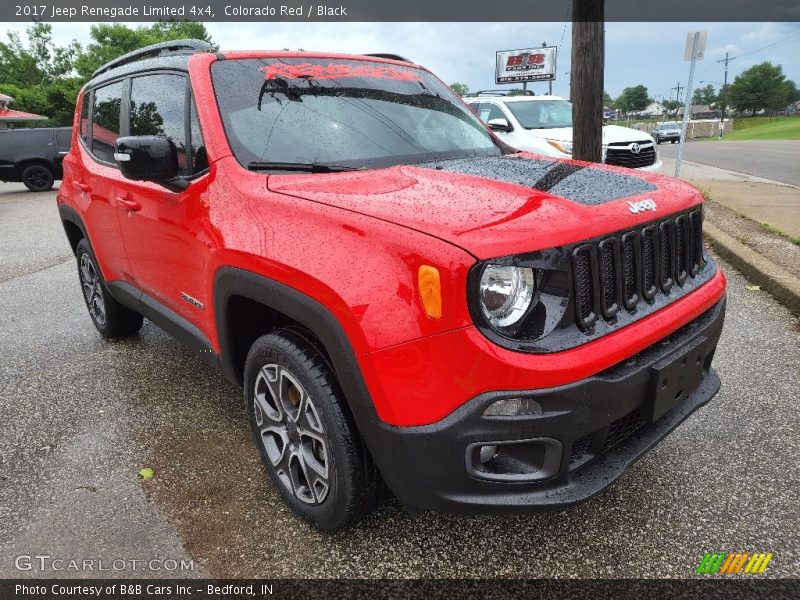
x=354, y=242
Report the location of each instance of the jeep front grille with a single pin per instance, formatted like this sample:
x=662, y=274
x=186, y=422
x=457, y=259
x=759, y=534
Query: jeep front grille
x=624, y=269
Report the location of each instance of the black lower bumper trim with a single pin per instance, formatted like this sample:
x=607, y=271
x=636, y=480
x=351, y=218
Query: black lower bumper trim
x=603, y=424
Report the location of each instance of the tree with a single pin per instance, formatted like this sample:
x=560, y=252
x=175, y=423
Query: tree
x=462, y=89
x=608, y=100
x=633, y=99
x=705, y=95
x=38, y=62
x=763, y=86
x=516, y=92
x=111, y=40
x=44, y=78
x=671, y=104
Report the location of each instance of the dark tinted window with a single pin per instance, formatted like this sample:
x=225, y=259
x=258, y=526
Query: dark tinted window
x=198, y=147
x=158, y=107
x=105, y=120
x=342, y=112
x=63, y=138
x=85, y=117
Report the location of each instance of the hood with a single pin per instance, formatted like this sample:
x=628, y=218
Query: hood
x=611, y=134
x=497, y=206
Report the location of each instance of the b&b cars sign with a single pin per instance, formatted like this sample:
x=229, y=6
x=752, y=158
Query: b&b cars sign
x=528, y=64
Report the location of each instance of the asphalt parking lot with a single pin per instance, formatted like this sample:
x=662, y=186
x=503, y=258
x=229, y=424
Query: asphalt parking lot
x=771, y=159
x=82, y=416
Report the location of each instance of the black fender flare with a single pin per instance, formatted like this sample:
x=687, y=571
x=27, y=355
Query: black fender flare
x=232, y=281
x=70, y=215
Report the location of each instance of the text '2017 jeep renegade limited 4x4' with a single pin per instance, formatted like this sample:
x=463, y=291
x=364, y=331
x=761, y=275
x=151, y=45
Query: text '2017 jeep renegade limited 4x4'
x=406, y=300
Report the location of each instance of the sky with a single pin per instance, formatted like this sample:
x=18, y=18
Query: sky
x=649, y=54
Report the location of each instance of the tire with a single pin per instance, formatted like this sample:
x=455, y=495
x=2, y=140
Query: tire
x=38, y=178
x=305, y=433
x=658, y=141
x=674, y=142
x=112, y=319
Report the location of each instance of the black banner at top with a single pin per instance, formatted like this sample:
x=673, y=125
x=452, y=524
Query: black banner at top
x=392, y=10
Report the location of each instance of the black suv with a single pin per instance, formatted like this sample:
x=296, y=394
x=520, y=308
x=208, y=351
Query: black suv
x=33, y=156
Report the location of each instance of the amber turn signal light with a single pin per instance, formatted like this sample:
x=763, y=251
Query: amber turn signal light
x=430, y=291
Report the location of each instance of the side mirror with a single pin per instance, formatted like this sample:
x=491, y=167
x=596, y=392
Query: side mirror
x=149, y=158
x=499, y=125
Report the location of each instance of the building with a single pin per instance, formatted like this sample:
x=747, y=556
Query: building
x=8, y=115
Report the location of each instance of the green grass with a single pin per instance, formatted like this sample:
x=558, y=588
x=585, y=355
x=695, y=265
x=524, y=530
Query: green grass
x=765, y=128
x=779, y=232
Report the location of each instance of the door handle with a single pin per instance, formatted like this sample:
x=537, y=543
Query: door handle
x=83, y=187
x=128, y=204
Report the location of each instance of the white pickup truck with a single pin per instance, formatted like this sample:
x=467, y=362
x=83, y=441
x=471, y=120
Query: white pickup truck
x=543, y=125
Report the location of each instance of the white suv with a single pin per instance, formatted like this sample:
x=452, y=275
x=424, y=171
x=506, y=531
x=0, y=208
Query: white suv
x=543, y=125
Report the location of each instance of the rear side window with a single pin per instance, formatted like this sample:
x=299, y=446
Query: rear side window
x=105, y=121
x=85, y=117
x=63, y=139
x=488, y=111
x=158, y=107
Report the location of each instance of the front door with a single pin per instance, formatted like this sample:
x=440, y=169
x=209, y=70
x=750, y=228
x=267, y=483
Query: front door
x=163, y=230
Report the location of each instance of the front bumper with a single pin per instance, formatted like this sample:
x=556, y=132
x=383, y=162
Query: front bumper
x=587, y=435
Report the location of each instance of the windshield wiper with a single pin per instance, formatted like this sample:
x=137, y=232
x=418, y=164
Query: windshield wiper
x=300, y=167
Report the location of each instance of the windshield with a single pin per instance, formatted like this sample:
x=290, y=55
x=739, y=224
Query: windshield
x=542, y=114
x=348, y=113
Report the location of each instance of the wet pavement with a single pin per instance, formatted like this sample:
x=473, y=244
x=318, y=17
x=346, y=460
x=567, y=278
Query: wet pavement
x=82, y=416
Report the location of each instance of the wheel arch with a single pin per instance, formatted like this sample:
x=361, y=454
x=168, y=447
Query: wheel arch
x=237, y=293
x=73, y=226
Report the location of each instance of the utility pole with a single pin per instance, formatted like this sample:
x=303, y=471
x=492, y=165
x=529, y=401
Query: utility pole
x=678, y=92
x=586, y=79
x=726, y=60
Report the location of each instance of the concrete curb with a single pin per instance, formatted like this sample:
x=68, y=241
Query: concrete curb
x=784, y=286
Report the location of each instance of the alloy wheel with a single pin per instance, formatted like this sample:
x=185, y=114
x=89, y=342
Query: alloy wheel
x=92, y=290
x=292, y=434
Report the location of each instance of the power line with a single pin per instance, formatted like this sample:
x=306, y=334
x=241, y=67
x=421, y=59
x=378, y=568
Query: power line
x=771, y=45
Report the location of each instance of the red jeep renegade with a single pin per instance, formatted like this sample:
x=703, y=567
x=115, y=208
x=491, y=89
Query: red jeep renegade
x=406, y=300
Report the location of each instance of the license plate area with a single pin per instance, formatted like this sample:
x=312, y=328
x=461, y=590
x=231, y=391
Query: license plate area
x=674, y=377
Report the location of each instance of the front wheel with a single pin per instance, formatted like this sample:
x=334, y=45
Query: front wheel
x=308, y=441
x=38, y=178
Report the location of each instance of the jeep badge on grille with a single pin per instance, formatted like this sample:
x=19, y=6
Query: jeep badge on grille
x=641, y=205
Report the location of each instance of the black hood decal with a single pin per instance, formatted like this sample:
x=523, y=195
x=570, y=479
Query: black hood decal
x=585, y=185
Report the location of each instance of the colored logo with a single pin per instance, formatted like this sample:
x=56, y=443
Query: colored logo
x=732, y=563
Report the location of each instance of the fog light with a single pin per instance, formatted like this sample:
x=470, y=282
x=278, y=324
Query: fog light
x=513, y=407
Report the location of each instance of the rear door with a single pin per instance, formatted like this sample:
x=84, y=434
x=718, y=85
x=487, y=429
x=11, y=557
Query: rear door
x=95, y=177
x=166, y=233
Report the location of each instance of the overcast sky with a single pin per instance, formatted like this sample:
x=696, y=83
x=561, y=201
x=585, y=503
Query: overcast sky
x=636, y=53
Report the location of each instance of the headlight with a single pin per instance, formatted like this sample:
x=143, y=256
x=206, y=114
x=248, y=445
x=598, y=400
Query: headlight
x=565, y=147
x=505, y=293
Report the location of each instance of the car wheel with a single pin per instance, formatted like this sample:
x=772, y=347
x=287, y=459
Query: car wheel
x=305, y=434
x=658, y=140
x=112, y=319
x=37, y=178
x=674, y=142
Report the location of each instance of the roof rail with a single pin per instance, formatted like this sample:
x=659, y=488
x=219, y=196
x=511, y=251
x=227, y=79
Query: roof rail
x=162, y=48
x=501, y=92
x=390, y=56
